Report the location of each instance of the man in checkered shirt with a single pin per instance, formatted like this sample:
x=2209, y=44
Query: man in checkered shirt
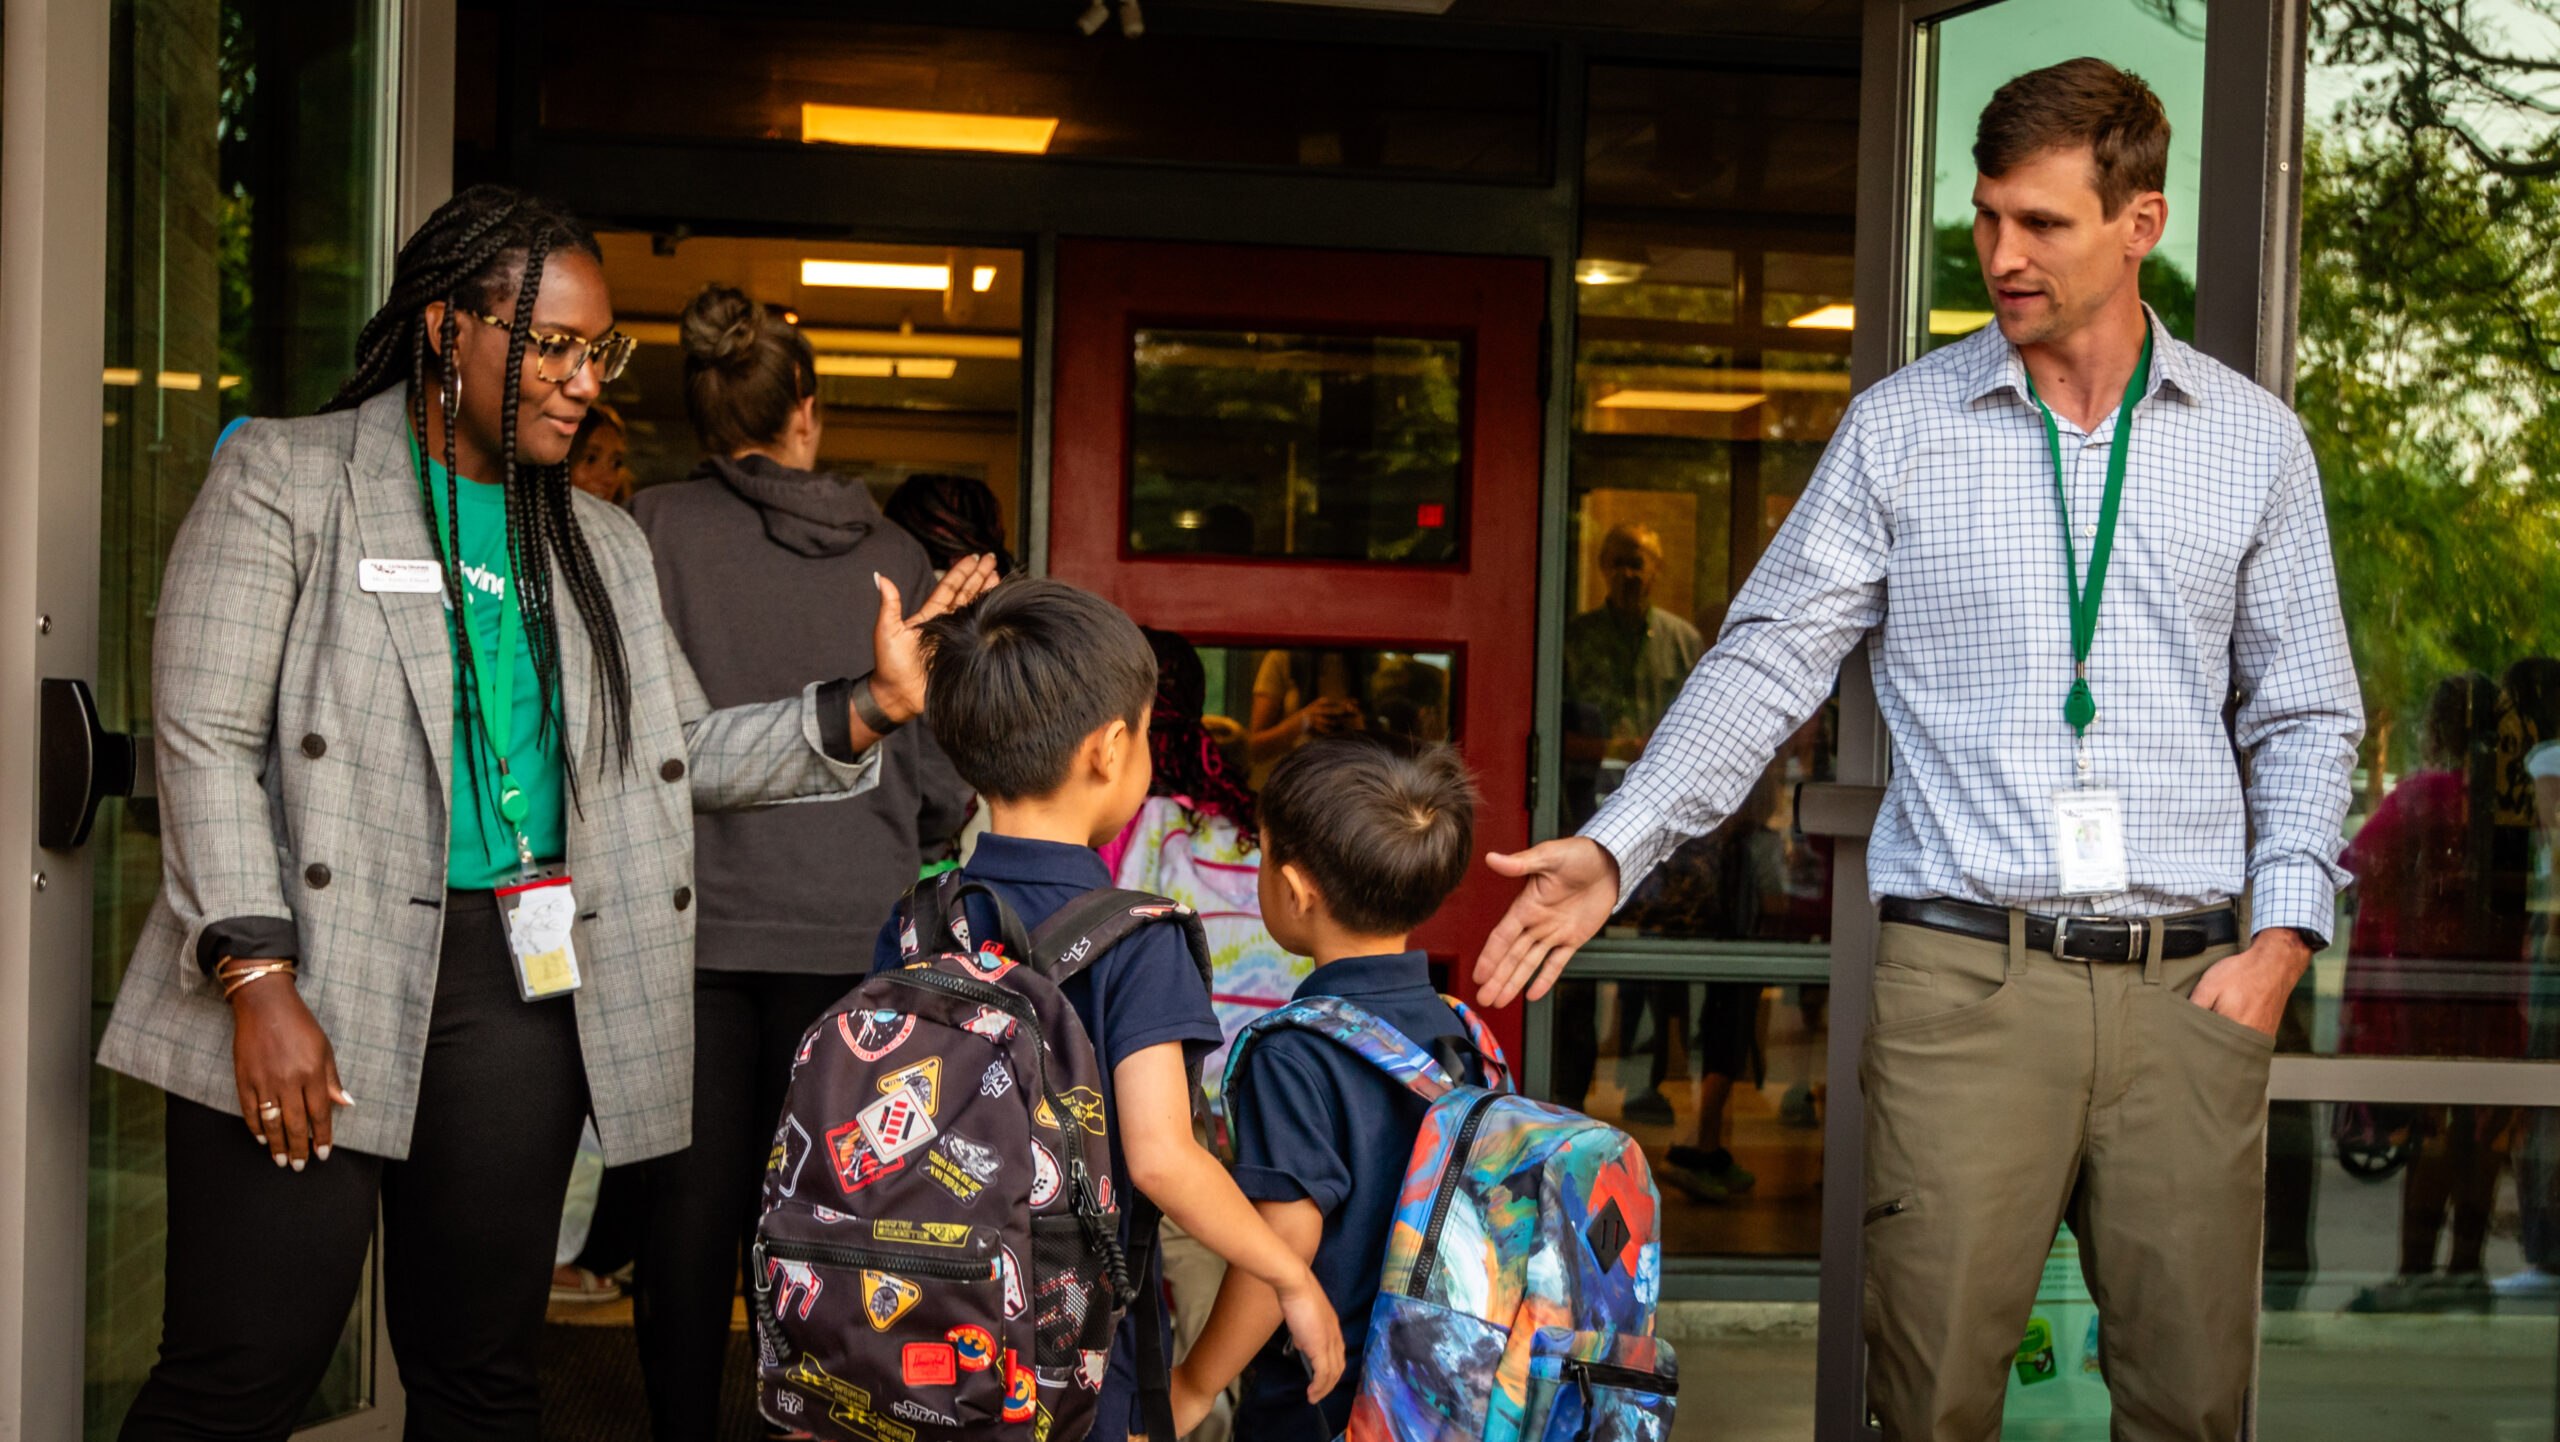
x=2066, y=1025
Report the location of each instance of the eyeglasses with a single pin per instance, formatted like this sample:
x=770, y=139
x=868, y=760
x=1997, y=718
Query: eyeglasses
x=559, y=356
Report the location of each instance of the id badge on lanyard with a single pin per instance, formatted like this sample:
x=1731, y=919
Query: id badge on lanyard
x=2088, y=819
x=541, y=913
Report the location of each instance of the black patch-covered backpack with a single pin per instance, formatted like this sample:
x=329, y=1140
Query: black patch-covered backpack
x=939, y=1252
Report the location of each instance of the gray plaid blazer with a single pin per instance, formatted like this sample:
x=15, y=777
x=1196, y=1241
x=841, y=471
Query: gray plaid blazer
x=304, y=740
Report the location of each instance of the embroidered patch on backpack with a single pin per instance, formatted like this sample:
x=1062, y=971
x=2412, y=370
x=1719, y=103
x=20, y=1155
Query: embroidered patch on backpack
x=886, y=1297
x=896, y=1124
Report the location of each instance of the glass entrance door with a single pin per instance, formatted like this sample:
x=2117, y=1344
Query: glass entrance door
x=246, y=228
x=1321, y=468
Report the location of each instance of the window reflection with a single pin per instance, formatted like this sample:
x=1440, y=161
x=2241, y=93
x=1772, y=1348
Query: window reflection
x=1257, y=443
x=1267, y=701
x=1722, y=1084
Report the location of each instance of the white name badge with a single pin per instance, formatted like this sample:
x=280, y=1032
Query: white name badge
x=421, y=578
x=2088, y=842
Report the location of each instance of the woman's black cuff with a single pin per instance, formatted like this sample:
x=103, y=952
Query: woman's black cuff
x=259, y=938
x=835, y=720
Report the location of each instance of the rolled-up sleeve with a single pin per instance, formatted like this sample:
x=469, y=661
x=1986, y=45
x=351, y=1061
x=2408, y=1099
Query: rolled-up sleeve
x=2301, y=714
x=1815, y=594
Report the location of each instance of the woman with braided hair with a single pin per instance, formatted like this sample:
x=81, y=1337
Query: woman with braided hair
x=427, y=844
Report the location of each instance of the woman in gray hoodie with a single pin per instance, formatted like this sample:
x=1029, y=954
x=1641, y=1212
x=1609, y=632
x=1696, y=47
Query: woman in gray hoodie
x=765, y=569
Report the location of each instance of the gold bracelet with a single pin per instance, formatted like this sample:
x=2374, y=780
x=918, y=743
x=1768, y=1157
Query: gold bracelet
x=232, y=980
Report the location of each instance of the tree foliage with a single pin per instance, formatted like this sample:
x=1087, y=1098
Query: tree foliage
x=2428, y=375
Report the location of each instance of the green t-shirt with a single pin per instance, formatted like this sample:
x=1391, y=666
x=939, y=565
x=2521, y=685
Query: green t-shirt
x=481, y=851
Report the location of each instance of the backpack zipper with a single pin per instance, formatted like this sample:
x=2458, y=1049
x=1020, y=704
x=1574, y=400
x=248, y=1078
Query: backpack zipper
x=1450, y=1176
x=1610, y=1374
x=904, y=1264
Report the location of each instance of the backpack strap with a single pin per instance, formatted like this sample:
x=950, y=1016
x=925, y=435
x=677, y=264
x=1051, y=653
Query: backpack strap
x=1078, y=933
x=1356, y=1030
x=933, y=917
x=1497, y=1073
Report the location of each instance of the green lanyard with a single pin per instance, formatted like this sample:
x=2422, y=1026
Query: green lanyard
x=2080, y=708
x=495, y=677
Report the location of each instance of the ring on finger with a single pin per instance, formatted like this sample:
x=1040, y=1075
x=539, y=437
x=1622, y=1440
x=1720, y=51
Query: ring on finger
x=270, y=1111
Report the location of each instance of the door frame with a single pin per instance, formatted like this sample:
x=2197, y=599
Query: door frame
x=1103, y=290
x=54, y=135
x=2247, y=244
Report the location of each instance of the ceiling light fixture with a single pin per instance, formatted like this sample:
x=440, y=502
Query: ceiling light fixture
x=1842, y=316
x=1607, y=272
x=1837, y=316
x=875, y=275
x=982, y=279
x=881, y=367
x=1721, y=402
x=926, y=129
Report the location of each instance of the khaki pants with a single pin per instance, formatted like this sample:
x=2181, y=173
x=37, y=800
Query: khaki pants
x=2007, y=1092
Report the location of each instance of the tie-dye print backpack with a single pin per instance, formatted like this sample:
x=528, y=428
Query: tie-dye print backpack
x=1516, y=1303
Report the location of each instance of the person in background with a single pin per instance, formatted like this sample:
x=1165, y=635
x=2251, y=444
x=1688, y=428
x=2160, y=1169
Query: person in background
x=952, y=517
x=766, y=568
x=1194, y=840
x=2418, y=956
x=2537, y=1147
x=596, y=457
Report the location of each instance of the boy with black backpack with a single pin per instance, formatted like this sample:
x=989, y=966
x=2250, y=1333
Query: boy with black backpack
x=1371, y=1116
x=1041, y=697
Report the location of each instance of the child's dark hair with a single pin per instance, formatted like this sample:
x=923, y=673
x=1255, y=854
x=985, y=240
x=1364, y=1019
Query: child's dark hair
x=1385, y=832
x=1022, y=677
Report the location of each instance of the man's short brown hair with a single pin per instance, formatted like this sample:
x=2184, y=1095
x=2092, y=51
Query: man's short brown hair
x=2080, y=102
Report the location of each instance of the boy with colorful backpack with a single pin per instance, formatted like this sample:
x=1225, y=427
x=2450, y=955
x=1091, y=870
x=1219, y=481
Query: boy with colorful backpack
x=1001, y=1112
x=1495, y=1260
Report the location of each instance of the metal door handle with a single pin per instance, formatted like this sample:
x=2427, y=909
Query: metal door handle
x=81, y=763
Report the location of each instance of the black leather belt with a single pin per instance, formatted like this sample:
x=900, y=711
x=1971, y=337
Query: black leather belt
x=2072, y=938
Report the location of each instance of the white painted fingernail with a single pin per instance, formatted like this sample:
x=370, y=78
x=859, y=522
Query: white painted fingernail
x=297, y=1164
x=321, y=1151
x=281, y=1159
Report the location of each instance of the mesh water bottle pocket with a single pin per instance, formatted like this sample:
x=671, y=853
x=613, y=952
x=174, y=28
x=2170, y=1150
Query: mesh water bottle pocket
x=1070, y=1292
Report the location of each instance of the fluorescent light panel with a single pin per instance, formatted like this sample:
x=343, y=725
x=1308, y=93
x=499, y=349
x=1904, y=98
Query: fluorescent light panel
x=875, y=275
x=926, y=129
x=1845, y=317
x=877, y=367
x=1722, y=402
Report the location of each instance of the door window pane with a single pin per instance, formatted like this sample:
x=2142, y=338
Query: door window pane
x=243, y=239
x=2412, y=1272
x=1320, y=447
x=2432, y=412
x=1967, y=57
x=1713, y=369
x=1722, y=1083
x=1267, y=701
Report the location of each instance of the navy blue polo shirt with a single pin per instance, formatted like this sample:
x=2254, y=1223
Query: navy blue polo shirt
x=1315, y=1122
x=1144, y=992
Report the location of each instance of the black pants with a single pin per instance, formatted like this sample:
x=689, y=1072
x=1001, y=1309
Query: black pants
x=264, y=1261
x=701, y=1202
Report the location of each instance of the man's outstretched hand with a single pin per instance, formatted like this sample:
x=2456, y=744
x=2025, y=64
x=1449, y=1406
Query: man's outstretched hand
x=1570, y=890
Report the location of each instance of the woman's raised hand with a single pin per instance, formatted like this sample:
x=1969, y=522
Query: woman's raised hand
x=897, y=639
x=286, y=1071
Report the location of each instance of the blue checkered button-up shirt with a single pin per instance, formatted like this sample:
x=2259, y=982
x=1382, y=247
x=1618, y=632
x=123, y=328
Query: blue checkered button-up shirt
x=1930, y=530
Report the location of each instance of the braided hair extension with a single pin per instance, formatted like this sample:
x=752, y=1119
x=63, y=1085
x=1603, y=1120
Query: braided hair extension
x=465, y=256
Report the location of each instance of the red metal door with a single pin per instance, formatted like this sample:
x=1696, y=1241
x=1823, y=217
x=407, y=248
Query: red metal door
x=1404, y=536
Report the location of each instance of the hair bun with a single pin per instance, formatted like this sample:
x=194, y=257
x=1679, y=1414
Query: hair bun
x=719, y=328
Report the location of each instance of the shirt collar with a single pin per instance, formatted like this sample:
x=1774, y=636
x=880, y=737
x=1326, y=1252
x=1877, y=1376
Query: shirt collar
x=1995, y=364
x=1357, y=976
x=1036, y=863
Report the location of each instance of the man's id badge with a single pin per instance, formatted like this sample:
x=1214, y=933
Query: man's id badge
x=2088, y=842
x=540, y=914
